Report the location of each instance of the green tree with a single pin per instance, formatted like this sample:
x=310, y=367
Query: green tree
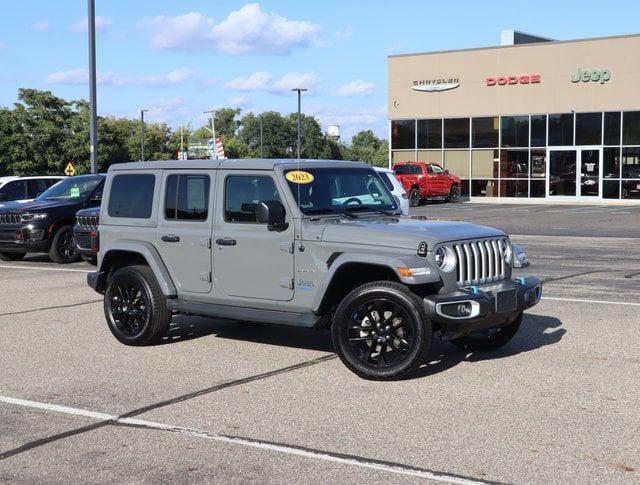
x=279, y=134
x=367, y=147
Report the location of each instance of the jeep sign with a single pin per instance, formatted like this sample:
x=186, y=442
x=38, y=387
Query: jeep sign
x=595, y=75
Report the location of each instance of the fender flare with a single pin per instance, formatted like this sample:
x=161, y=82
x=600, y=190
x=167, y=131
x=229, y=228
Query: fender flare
x=152, y=257
x=390, y=261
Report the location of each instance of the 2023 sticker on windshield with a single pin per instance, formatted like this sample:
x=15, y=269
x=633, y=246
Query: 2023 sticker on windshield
x=299, y=177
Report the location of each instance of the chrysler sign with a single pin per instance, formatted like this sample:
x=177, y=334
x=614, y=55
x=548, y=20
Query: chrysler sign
x=435, y=85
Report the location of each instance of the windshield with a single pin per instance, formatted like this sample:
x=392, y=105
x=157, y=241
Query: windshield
x=339, y=190
x=408, y=169
x=73, y=188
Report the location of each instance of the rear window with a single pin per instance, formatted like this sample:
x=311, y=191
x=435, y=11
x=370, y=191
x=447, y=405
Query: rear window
x=132, y=196
x=408, y=169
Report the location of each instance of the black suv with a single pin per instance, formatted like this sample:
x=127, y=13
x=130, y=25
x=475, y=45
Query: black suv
x=46, y=224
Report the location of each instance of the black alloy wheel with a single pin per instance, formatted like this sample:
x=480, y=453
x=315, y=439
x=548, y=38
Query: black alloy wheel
x=489, y=339
x=380, y=331
x=454, y=194
x=63, y=247
x=414, y=197
x=135, y=307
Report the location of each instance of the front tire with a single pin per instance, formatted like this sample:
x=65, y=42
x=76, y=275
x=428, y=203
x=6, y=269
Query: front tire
x=380, y=331
x=63, y=247
x=134, y=306
x=489, y=339
x=7, y=256
x=414, y=197
x=454, y=194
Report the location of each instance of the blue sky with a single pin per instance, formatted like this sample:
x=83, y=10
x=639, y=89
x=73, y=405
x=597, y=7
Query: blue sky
x=180, y=58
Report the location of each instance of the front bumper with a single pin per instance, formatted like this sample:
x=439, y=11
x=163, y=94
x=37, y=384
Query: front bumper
x=87, y=241
x=31, y=238
x=492, y=305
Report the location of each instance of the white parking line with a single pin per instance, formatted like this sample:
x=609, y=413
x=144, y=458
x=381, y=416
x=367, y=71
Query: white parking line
x=289, y=450
x=45, y=268
x=600, y=302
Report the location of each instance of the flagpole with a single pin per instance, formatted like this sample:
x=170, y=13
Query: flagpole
x=214, y=153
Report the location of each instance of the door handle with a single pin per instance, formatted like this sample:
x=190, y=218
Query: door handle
x=226, y=241
x=170, y=238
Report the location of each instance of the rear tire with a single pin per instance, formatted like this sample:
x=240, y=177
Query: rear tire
x=134, y=306
x=414, y=197
x=63, y=247
x=380, y=331
x=7, y=256
x=454, y=194
x=490, y=339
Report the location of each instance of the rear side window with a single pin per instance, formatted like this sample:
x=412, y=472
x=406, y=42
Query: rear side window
x=132, y=196
x=408, y=169
x=13, y=190
x=242, y=195
x=187, y=198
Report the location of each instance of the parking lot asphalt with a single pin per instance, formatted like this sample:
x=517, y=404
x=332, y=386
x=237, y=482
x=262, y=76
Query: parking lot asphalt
x=238, y=402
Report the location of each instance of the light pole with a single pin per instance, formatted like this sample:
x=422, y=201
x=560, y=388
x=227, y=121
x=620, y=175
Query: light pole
x=142, y=112
x=261, y=156
x=212, y=112
x=93, y=122
x=299, y=90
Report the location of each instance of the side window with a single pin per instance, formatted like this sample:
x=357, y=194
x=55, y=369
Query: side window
x=429, y=169
x=242, y=193
x=436, y=169
x=187, y=198
x=132, y=196
x=386, y=178
x=14, y=190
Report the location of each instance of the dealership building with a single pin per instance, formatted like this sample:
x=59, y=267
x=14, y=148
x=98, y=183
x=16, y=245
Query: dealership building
x=530, y=119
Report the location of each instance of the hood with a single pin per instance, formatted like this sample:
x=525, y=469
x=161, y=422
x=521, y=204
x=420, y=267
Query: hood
x=36, y=205
x=402, y=233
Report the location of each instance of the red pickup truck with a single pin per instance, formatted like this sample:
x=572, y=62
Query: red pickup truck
x=424, y=180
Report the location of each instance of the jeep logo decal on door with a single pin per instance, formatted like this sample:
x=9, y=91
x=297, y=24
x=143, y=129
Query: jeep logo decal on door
x=595, y=75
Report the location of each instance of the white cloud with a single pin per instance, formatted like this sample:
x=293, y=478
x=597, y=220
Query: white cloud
x=258, y=81
x=163, y=110
x=355, y=88
x=102, y=24
x=41, y=26
x=351, y=120
x=239, y=101
x=81, y=76
x=245, y=31
x=289, y=81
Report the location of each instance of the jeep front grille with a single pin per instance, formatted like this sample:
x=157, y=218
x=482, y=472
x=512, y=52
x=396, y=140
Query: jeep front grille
x=88, y=221
x=9, y=218
x=481, y=261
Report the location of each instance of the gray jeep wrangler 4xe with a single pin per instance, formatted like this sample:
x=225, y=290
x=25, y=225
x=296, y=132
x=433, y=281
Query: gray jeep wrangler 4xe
x=308, y=243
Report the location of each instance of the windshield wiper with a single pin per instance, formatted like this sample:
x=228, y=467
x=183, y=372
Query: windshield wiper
x=369, y=208
x=330, y=210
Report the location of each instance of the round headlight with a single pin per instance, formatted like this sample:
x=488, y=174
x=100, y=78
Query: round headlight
x=441, y=257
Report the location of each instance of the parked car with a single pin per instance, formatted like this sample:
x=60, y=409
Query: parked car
x=425, y=180
x=45, y=225
x=395, y=187
x=312, y=243
x=86, y=233
x=25, y=189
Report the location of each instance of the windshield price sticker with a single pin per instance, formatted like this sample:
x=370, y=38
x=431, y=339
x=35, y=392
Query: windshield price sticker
x=299, y=177
x=75, y=192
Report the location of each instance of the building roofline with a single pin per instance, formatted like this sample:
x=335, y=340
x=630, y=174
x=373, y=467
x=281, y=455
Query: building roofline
x=532, y=44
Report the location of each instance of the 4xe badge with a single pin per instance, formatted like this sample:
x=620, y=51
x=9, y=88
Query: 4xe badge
x=422, y=249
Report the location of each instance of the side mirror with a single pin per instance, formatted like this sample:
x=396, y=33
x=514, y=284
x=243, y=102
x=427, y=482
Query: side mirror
x=272, y=213
x=446, y=172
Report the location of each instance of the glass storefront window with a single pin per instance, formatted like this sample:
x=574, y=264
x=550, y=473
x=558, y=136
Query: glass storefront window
x=538, y=188
x=611, y=189
x=538, y=164
x=403, y=134
x=538, y=130
x=589, y=128
x=612, y=128
x=457, y=162
x=515, y=131
x=631, y=189
x=611, y=163
x=484, y=163
x=514, y=164
x=561, y=129
x=631, y=163
x=456, y=133
x=631, y=128
x=484, y=188
x=429, y=133
x=514, y=188
x=484, y=132
x=403, y=156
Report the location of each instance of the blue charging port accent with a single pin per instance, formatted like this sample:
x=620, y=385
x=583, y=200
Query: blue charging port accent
x=522, y=280
x=475, y=290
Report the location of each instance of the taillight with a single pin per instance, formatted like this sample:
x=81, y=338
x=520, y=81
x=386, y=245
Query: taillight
x=95, y=241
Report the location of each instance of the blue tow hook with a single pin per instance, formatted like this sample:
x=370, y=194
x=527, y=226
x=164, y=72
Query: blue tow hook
x=522, y=280
x=475, y=290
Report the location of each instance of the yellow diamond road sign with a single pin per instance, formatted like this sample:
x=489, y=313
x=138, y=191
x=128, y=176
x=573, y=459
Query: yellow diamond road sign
x=70, y=169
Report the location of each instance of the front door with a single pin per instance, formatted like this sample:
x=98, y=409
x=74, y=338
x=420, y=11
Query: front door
x=250, y=259
x=184, y=228
x=574, y=173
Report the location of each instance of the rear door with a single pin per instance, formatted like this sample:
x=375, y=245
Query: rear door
x=441, y=181
x=184, y=228
x=250, y=259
